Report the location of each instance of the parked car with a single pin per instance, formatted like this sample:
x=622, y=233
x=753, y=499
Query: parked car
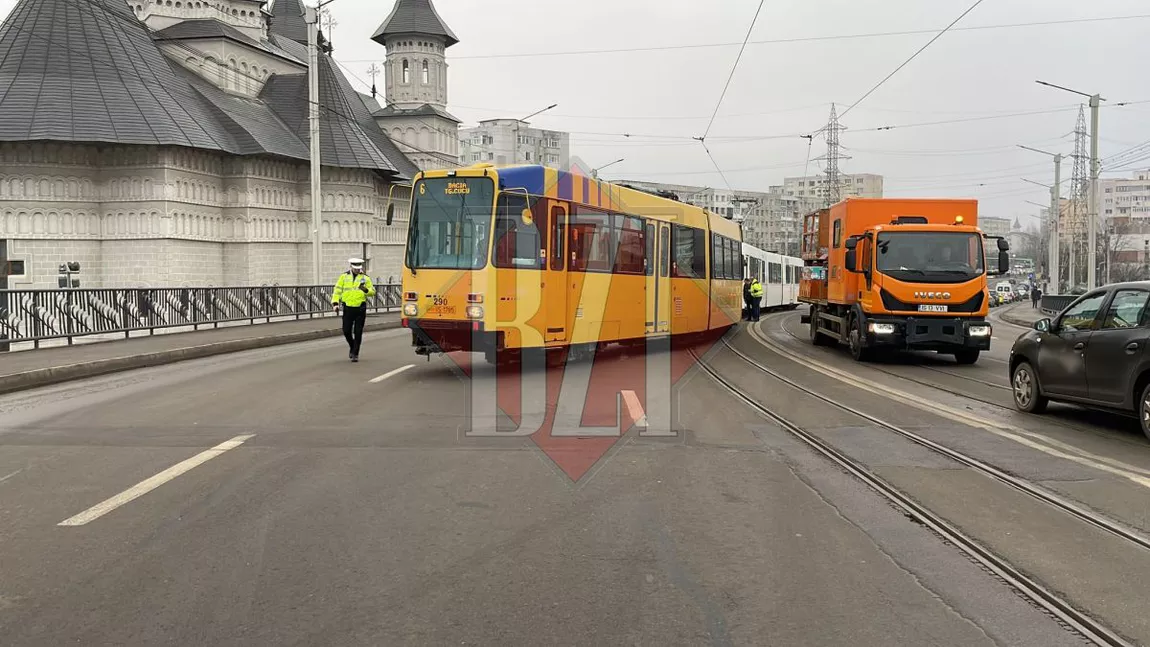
x=1095, y=353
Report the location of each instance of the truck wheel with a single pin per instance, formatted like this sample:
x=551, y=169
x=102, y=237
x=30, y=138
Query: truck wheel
x=1027, y=396
x=817, y=338
x=855, y=341
x=966, y=356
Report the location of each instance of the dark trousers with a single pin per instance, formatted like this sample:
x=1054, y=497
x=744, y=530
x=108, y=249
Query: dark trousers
x=756, y=305
x=353, y=321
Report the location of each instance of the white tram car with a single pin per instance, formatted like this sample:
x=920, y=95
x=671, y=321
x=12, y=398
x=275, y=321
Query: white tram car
x=779, y=275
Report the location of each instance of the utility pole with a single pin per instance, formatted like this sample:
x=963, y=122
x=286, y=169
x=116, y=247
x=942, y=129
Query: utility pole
x=1092, y=208
x=1091, y=281
x=1055, y=215
x=311, y=17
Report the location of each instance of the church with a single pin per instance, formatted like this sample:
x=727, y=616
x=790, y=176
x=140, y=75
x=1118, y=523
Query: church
x=166, y=142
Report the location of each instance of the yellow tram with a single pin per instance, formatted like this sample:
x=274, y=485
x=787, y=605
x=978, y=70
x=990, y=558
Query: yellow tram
x=501, y=260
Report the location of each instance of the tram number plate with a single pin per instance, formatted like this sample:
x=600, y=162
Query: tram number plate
x=441, y=310
x=928, y=307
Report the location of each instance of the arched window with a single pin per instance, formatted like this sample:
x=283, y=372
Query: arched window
x=406, y=72
x=426, y=76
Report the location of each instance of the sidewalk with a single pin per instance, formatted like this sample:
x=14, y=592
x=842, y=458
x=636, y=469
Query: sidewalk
x=1021, y=314
x=33, y=368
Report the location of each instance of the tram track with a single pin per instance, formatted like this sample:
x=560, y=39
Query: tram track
x=1033, y=589
x=990, y=403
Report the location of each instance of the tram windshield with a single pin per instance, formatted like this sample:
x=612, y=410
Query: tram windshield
x=450, y=223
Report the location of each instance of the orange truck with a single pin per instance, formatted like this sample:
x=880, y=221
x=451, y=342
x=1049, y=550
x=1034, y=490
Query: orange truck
x=885, y=274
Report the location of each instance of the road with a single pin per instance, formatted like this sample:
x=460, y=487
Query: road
x=287, y=497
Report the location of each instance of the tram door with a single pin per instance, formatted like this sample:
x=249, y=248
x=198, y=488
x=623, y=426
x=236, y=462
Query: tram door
x=556, y=290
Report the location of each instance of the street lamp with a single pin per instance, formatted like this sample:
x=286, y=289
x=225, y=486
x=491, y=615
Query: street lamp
x=1055, y=216
x=595, y=172
x=1091, y=253
x=515, y=145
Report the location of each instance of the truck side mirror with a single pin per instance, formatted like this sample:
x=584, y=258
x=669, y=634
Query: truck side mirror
x=851, y=260
x=390, y=214
x=1003, y=245
x=851, y=242
x=1003, y=259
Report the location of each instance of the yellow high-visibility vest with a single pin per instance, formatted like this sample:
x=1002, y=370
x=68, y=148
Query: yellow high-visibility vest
x=756, y=289
x=347, y=290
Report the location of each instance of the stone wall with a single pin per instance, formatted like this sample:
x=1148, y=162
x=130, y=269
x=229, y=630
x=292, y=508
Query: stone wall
x=136, y=215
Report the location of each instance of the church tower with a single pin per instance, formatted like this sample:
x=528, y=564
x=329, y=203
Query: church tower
x=415, y=84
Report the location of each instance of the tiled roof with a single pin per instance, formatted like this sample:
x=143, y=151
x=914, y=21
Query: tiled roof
x=414, y=17
x=89, y=71
x=287, y=20
x=193, y=29
x=426, y=110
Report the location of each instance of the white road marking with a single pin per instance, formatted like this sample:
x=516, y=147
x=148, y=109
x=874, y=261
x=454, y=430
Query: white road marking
x=5, y=478
x=1019, y=435
x=634, y=408
x=377, y=380
x=143, y=487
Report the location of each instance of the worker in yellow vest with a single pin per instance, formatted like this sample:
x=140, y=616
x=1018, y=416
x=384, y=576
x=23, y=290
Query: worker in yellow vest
x=756, y=299
x=351, y=292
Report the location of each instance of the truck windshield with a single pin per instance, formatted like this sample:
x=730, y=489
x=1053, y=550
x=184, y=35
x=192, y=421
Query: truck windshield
x=928, y=256
x=450, y=221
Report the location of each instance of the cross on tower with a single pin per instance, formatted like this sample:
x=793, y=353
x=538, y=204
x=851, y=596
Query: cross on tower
x=374, y=72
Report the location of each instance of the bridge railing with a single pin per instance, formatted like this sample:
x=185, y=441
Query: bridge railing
x=40, y=315
x=1052, y=304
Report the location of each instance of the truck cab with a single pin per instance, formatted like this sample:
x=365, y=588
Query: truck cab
x=906, y=274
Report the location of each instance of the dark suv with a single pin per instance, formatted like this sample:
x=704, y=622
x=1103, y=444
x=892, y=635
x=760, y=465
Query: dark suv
x=1093, y=353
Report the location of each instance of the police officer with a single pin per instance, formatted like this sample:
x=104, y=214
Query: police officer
x=756, y=298
x=351, y=291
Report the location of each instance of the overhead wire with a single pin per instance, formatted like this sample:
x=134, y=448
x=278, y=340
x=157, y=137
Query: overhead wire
x=912, y=57
x=734, y=67
x=775, y=41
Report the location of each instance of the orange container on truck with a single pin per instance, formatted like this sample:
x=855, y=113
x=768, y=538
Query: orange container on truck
x=886, y=274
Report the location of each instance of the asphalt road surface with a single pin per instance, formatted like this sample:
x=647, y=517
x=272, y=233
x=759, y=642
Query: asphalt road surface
x=288, y=497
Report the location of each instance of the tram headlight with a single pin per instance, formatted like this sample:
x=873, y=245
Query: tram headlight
x=474, y=312
x=979, y=330
x=410, y=309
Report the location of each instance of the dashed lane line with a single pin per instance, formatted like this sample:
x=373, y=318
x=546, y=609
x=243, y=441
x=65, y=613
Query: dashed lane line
x=377, y=380
x=143, y=487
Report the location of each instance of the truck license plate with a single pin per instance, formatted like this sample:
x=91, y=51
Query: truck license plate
x=927, y=307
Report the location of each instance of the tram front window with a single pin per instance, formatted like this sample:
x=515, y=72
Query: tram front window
x=450, y=223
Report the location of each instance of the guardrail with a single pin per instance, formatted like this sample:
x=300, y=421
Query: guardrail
x=40, y=315
x=1053, y=304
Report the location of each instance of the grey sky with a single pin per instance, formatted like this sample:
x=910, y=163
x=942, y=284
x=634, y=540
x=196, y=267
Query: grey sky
x=787, y=88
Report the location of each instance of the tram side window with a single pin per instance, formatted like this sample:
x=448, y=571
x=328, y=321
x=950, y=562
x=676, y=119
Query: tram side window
x=735, y=260
x=788, y=270
x=630, y=256
x=591, y=242
x=649, y=249
x=690, y=259
x=718, y=257
x=516, y=244
x=756, y=269
x=557, y=227
x=775, y=273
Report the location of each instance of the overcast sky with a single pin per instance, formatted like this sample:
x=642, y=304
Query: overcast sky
x=515, y=58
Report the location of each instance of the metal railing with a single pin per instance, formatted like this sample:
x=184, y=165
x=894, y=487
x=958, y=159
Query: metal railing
x=1052, y=304
x=40, y=315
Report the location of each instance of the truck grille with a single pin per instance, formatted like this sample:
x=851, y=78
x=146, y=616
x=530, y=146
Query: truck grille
x=972, y=304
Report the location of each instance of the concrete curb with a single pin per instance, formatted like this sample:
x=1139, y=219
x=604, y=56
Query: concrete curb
x=58, y=374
